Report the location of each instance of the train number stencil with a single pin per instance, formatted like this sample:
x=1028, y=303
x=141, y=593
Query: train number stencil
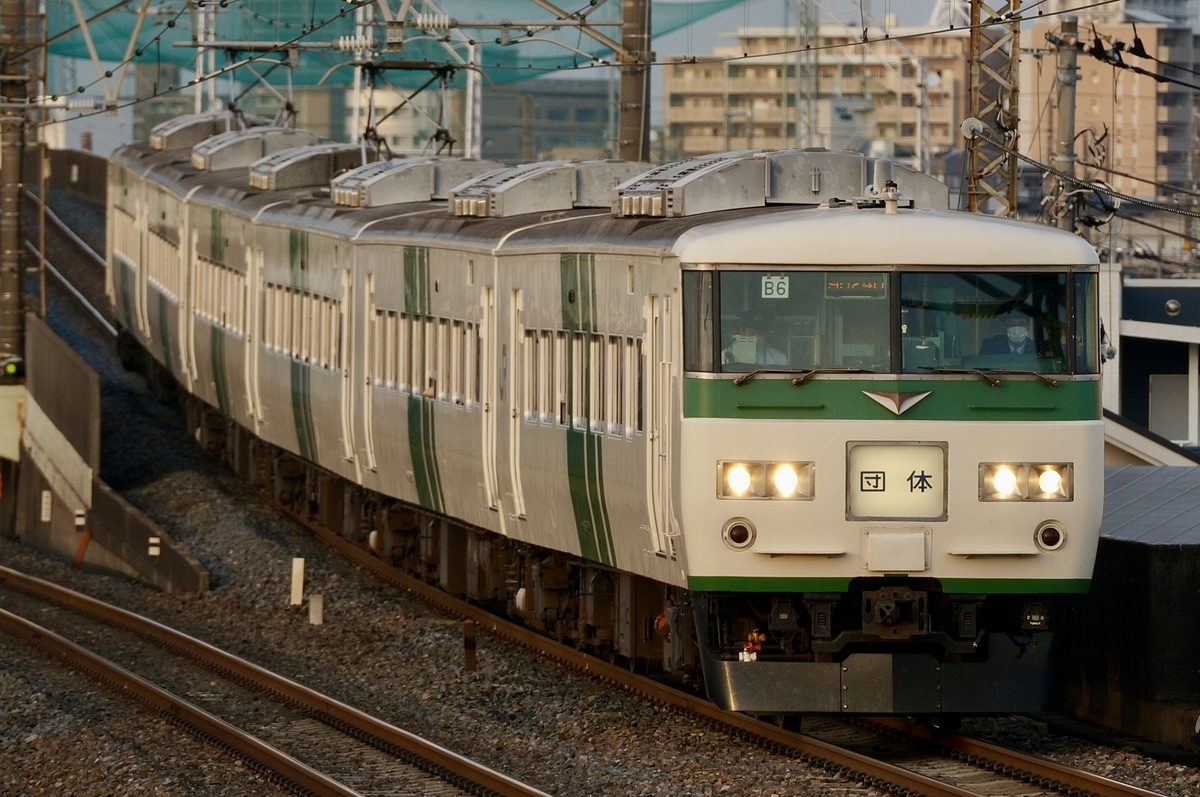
x=774, y=286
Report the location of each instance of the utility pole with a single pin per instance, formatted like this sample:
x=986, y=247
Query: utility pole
x=20, y=48
x=807, y=72
x=1063, y=156
x=994, y=67
x=633, y=105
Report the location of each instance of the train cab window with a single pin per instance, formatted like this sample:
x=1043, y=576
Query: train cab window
x=1006, y=320
x=786, y=320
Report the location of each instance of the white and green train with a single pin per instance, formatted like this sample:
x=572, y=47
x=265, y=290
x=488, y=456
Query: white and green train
x=759, y=416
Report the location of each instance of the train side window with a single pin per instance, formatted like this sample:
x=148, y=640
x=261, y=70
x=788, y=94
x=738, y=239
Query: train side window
x=433, y=371
x=227, y=279
x=529, y=373
x=545, y=385
x=321, y=349
x=299, y=343
x=615, y=396
x=286, y=340
x=416, y=374
x=307, y=317
x=562, y=376
x=269, y=317
x=630, y=385
x=337, y=333
x=392, y=349
x=599, y=381
x=443, y=380
x=579, y=381
x=404, y=353
x=458, y=354
x=378, y=345
x=225, y=292
x=640, y=417
x=319, y=353
x=476, y=355
x=280, y=302
x=325, y=348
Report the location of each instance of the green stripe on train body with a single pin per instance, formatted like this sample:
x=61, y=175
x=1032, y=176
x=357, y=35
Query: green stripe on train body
x=164, y=332
x=950, y=400
x=585, y=460
x=220, y=381
x=422, y=438
x=126, y=288
x=216, y=238
x=298, y=258
x=952, y=586
x=426, y=474
x=306, y=436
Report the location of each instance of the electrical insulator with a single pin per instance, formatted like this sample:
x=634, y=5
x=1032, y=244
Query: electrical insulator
x=351, y=43
x=432, y=21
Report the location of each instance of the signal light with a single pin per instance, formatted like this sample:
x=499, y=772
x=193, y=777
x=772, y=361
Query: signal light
x=12, y=370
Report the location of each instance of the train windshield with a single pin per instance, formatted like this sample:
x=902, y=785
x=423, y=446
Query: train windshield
x=1041, y=322
x=740, y=321
x=737, y=321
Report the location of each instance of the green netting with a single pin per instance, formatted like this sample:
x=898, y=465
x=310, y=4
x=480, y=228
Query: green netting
x=528, y=51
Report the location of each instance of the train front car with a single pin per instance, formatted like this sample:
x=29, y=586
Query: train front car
x=891, y=457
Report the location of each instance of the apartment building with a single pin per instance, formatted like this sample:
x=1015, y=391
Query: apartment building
x=1136, y=133
x=904, y=96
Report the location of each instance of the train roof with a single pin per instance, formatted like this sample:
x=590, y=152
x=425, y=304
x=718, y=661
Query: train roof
x=748, y=207
x=845, y=236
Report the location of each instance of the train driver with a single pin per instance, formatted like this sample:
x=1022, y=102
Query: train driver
x=1014, y=340
x=750, y=346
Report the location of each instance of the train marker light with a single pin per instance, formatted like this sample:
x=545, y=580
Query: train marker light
x=738, y=533
x=1050, y=536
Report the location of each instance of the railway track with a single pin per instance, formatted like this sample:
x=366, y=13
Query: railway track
x=307, y=741
x=891, y=754
x=899, y=759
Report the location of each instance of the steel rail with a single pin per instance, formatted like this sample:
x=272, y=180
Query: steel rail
x=478, y=775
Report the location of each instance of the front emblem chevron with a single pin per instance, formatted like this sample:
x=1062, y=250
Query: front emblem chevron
x=898, y=403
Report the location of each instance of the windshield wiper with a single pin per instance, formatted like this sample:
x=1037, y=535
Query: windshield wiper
x=981, y=374
x=806, y=374
x=746, y=377
x=1048, y=380
x=986, y=374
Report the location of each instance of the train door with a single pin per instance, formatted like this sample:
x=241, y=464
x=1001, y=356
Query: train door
x=187, y=314
x=255, y=329
x=656, y=409
x=141, y=281
x=381, y=335
x=491, y=383
x=335, y=317
x=515, y=498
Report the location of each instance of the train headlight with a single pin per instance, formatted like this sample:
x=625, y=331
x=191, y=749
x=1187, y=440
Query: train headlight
x=785, y=479
x=771, y=480
x=1050, y=481
x=739, y=480
x=1025, y=481
x=1004, y=481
